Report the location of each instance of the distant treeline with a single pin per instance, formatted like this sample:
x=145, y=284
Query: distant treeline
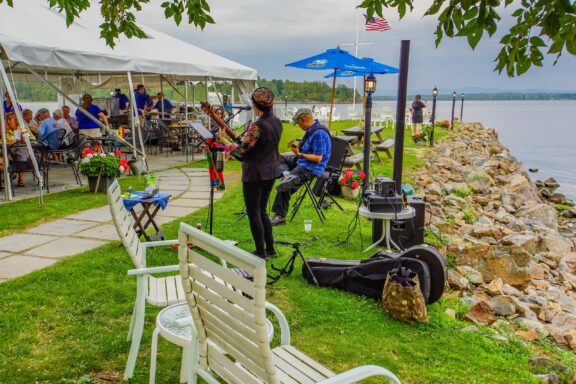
x=495, y=96
x=307, y=91
x=292, y=91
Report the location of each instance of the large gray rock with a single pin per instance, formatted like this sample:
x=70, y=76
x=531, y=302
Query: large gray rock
x=527, y=240
x=510, y=263
x=470, y=274
x=503, y=305
x=539, y=214
x=551, y=241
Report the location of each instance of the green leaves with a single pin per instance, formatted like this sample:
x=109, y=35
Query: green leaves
x=522, y=47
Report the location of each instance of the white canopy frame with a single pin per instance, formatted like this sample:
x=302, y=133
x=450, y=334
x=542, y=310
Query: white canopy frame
x=25, y=134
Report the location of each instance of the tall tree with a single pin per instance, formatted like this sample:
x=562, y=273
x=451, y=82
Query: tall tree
x=542, y=26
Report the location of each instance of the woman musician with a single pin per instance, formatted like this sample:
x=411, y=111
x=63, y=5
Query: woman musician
x=258, y=152
x=217, y=147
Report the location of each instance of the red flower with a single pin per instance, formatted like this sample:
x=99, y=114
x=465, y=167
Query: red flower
x=355, y=184
x=87, y=152
x=348, y=173
x=343, y=181
x=118, y=153
x=362, y=175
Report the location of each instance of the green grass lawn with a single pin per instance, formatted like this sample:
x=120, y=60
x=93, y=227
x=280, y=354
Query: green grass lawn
x=68, y=323
x=27, y=213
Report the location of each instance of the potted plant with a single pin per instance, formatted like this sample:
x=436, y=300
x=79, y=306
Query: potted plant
x=350, y=183
x=443, y=124
x=101, y=168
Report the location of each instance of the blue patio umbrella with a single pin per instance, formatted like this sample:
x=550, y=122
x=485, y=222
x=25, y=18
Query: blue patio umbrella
x=369, y=67
x=335, y=59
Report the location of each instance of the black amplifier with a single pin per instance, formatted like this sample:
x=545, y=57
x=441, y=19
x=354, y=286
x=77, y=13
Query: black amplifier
x=382, y=204
x=405, y=233
x=384, y=186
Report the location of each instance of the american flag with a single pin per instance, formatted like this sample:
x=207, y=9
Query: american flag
x=377, y=24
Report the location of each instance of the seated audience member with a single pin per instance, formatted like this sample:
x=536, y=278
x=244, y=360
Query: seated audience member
x=47, y=126
x=123, y=100
x=14, y=134
x=86, y=126
x=69, y=118
x=163, y=105
x=7, y=104
x=310, y=158
x=31, y=124
x=61, y=123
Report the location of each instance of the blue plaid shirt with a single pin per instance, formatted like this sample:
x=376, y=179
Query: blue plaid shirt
x=319, y=143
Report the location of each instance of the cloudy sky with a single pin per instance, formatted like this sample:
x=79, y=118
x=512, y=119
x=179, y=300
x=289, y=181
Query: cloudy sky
x=266, y=34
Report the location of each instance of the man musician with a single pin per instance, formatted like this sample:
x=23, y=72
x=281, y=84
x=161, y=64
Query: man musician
x=310, y=158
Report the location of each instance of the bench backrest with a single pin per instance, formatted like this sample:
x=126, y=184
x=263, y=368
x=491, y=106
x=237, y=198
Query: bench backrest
x=125, y=226
x=228, y=310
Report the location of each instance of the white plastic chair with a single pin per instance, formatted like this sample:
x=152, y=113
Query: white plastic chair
x=157, y=291
x=229, y=314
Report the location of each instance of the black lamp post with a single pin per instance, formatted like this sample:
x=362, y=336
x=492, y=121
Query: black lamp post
x=462, y=107
x=285, y=102
x=369, y=88
x=433, y=117
x=453, y=105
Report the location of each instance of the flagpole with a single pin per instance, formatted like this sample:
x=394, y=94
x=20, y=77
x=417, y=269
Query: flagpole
x=355, y=54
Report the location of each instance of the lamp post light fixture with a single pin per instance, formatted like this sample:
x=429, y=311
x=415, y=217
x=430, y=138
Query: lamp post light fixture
x=433, y=117
x=453, y=105
x=369, y=88
x=462, y=107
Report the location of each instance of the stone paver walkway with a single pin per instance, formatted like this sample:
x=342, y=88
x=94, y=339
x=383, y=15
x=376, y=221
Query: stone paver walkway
x=47, y=243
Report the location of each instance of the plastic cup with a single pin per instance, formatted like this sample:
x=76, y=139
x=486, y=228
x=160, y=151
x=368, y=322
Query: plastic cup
x=307, y=225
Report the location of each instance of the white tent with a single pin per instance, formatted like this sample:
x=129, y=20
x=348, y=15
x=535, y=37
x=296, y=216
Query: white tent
x=35, y=44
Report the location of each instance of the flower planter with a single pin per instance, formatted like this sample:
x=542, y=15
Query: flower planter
x=348, y=193
x=105, y=182
x=420, y=142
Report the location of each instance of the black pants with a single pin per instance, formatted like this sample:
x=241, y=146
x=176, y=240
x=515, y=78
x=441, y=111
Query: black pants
x=282, y=200
x=256, y=195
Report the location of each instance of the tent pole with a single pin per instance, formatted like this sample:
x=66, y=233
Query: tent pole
x=24, y=129
x=332, y=100
x=134, y=111
x=172, y=85
x=7, y=179
x=216, y=91
x=162, y=91
x=134, y=119
x=78, y=106
x=186, y=116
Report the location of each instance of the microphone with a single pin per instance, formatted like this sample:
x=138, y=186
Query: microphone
x=242, y=107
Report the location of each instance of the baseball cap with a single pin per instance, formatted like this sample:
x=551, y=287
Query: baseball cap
x=301, y=113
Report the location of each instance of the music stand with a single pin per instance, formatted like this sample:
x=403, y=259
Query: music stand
x=206, y=135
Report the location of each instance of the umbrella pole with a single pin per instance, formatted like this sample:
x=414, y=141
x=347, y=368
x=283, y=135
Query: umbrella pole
x=332, y=101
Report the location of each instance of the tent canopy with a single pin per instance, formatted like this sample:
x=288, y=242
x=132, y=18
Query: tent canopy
x=36, y=35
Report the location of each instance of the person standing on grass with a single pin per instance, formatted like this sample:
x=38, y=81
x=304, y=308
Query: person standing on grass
x=260, y=168
x=417, y=115
x=86, y=126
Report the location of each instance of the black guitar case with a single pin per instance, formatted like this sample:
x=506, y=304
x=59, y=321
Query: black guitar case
x=367, y=277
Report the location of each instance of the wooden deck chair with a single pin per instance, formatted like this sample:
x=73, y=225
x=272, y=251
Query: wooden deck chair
x=229, y=314
x=157, y=291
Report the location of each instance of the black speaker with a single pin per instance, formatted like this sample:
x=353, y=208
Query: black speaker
x=405, y=233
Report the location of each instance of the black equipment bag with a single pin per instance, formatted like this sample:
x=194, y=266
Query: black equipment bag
x=367, y=277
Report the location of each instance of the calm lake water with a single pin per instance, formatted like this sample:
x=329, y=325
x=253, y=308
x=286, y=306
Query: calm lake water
x=541, y=134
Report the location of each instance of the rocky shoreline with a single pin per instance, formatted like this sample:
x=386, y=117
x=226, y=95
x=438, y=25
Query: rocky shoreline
x=511, y=250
